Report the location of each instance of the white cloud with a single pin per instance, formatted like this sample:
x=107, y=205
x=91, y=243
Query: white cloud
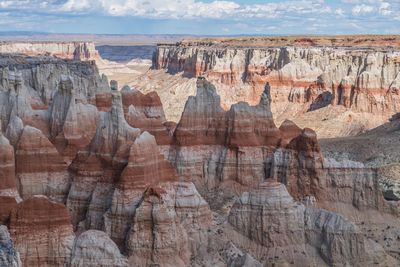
x=362, y=9
x=384, y=9
x=340, y=12
x=195, y=9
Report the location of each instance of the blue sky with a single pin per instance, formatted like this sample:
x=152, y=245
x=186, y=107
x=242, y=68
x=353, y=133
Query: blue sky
x=228, y=17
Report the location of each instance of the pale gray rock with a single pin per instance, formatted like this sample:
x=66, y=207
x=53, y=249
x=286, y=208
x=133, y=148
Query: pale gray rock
x=94, y=248
x=9, y=256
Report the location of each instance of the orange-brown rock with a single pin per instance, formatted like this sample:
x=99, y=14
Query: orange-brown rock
x=213, y=146
x=146, y=112
x=40, y=169
x=157, y=236
x=98, y=166
x=203, y=120
x=103, y=101
x=42, y=232
x=146, y=167
x=7, y=204
x=72, y=120
x=302, y=78
x=289, y=130
x=152, y=214
x=298, y=166
x=252, y=125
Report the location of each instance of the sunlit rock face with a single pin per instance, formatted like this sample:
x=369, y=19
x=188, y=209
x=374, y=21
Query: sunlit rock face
x=271, y=217
x=94, y=248
x=153, y=215
x=306, y=81
x=94, y=176
x=42, y=232
x=40, y=168
x=65, y=50
x=212, y=145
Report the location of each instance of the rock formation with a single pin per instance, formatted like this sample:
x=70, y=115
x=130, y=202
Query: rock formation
x=65, y=50
x=154, y=214
x=42, y=232
x=94, y=248
x=212, y=146
x=303, y=79
x=40, y=169
x=8, y=254
x=93, y=176
x=146, y=112
x=271, y=217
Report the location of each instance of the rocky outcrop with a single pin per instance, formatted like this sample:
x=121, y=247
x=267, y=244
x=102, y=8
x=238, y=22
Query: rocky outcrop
x=8, y=184
x=42, y=232
x=94, y=248
x=8, y=254
x=212, y=146
x=298, y=165
x=40, y=76
x=265, y=213
x=156, y=236
x=96, y=167
x=7, y=167
x=127, y=183
x=153, y=214
x=72, y=120
x=65, y=50
x=146, y=112
x=302, y=79
x=234, y=257
x=271, y=217
x=40, y=168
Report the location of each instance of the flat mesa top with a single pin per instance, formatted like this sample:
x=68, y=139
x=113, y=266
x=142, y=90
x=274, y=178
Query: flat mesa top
x=355, y=41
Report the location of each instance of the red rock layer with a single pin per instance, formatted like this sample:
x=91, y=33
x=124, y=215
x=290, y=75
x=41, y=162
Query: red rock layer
x=40, y=168
x=289, y=130
x=156, y=233
x=72, y=121
x=7, y=204
x=103, y=101
x=146, y=112
x=8, y=185
x=299, y=165
x=252, y=125
x=146, y=165
x=42, y=232
x=98, y=166
x=204, y=122
x=203, y=119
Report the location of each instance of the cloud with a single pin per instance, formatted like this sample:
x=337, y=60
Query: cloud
x=384, y=9
x=293, y=16
x=362, y=9
x=194, y=9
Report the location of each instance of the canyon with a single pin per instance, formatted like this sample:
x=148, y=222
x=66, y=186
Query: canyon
x=316, y=82
x=93, y=171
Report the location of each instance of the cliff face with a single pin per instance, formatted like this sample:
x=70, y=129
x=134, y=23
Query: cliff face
x=302, y=79
x=98, y=177
x=65, y=50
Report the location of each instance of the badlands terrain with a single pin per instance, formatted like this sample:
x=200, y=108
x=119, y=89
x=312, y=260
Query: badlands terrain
x=209, y=154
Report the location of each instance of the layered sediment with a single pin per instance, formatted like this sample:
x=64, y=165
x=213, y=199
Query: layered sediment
x=305, y=79
x=94, y=176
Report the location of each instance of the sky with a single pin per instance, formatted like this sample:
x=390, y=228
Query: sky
x=202, y=17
